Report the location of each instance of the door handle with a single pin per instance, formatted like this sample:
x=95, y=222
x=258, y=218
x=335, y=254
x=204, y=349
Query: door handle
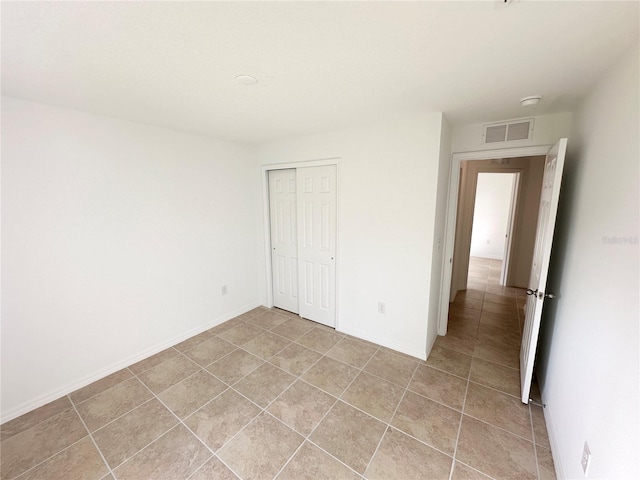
x=532, y=292
x=550, y=295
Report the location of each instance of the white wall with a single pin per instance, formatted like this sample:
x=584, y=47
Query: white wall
x=117, y=238
x=388, y=178
x=547, y=129
x=588, y=363
x=491, y=214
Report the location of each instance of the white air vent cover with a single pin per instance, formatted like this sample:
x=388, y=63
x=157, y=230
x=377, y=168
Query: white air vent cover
x=508, y=131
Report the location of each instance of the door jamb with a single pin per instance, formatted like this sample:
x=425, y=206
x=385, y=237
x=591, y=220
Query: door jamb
x=266, y=225
x=452, y=205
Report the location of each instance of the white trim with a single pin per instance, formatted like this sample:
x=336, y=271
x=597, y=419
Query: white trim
x=452, y=204
x=89, y=379
x=267, y=226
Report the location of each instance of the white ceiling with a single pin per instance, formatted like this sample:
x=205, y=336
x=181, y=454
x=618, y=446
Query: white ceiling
x=320, y=65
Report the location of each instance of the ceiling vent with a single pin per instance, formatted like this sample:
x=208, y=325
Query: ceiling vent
x=508, y=131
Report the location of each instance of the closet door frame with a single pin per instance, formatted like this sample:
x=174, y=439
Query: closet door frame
x=267, y=226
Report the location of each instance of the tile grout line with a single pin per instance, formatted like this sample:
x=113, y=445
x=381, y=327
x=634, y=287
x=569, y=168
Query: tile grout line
x=464, y=402
x=535, y=448
x=388, y=424
x=92, y=439
x=180, y=422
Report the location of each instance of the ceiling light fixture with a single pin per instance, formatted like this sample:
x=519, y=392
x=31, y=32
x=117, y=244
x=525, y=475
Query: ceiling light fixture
x=246, y=80
x=532, y=100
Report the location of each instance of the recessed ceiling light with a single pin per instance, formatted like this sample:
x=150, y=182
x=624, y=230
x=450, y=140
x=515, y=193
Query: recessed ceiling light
x=532, y=100
x=246, y=80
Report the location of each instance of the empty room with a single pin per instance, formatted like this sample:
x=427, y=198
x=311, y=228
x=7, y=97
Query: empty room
x=320, y=240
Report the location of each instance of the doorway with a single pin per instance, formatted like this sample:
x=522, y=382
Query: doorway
x=491, y=232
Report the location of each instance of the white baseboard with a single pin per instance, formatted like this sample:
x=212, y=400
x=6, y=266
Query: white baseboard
x=83, y=382
x=393, y=346
x=548, y=420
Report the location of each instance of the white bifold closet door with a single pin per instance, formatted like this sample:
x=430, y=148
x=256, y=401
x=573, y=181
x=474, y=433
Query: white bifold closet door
x=311, y=290
x=284, y=238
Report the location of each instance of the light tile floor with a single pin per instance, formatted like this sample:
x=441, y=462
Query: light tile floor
x=269, y=395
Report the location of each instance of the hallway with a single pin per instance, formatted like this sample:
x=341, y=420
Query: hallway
x=483, y=341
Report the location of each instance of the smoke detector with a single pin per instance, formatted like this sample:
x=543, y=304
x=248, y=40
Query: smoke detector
x=531, y=100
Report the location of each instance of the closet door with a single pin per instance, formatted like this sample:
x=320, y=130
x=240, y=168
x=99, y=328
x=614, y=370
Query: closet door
x=317, y=209
x=284, y=238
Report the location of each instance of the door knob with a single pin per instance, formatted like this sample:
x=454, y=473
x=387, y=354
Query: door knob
x=550, y=295
x=532, y=292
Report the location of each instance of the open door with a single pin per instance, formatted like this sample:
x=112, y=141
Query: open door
x=549, y=196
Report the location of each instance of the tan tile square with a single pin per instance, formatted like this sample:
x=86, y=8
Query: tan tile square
x=153, y=360
x=540, y=427
x=214, y=469
x=391, y=366
x=194, y=341
x=373, y=395
x=439, y=386
x=462, y=341
x=428, y=421
x=28, y=448
x=264, y=384
x=400, y=456
x=28, y=420
x=494, y=351
x=266, y=345
x=122, y=438
x=464, y=472
x=546, y=467
x=352, y=352
x=501, y=335
x=302, y=406
x=113, y=402
x=235, y=366
x=267, y=320
x=295, y=359
x=193, y=392
x=330, y=375
x=177, y=454
x=209, y=351
x=241, y=333
x=498, y=409
x=506, y=322
x=261, y=449
x=319, y=339
x=312, y=463
x=506, y=310
x=449, y=361
x=495, y=452
x=496, y=376
x=168, y=373
x=464, y=312
x=293, y=328
x=81, y=460
x=100, y=386
x=500, y=290
x=222, y=418
x=499, y=299
x=349, y=435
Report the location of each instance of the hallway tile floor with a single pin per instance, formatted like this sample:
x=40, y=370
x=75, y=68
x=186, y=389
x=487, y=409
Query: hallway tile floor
x=268, y=395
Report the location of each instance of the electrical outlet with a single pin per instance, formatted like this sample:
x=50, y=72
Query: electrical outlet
x=586, y=459
x=382, y=308
x=224, y=290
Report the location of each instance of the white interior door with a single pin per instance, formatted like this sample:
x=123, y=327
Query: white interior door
x=317, y=208
x=284, y=238
x=553, y=166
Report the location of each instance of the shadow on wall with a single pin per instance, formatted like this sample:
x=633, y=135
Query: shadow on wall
x=571, y=178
